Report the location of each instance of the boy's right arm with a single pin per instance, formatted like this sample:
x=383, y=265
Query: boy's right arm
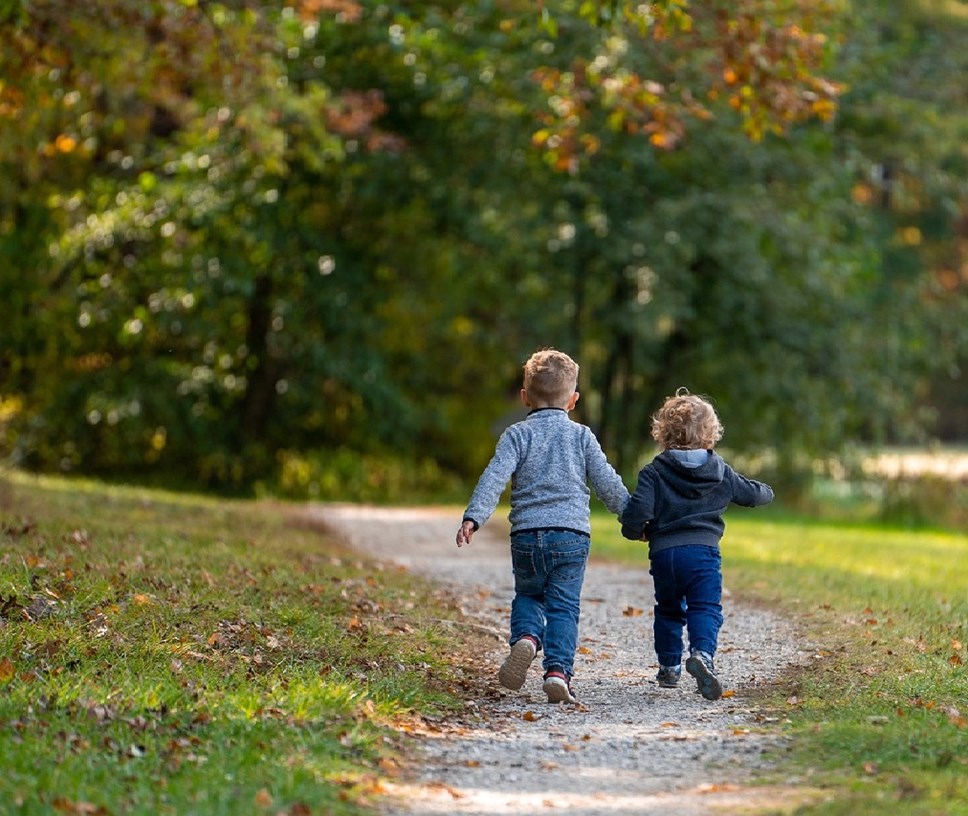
x=489, y=488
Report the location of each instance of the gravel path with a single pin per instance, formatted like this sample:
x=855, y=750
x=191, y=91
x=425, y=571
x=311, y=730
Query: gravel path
x=629, y=747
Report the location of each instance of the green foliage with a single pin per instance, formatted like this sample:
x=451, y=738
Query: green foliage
x=167, y=654
x=231, y=233
x=345, y=475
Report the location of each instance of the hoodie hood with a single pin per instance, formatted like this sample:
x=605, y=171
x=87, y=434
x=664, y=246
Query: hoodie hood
x=687, y=479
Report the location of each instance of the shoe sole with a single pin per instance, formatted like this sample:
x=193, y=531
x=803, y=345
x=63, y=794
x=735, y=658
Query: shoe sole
x=663, y=684
x=514, y=670
x=557, y=691
x=709, y=685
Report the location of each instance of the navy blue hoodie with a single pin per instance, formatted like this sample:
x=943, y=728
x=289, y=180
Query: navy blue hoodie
x=677, y=502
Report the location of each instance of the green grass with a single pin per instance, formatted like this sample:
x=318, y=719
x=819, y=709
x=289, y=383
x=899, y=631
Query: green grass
x=879, y=711
x=162, y=653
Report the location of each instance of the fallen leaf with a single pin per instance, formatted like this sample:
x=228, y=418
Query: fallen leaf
x=717, y=788
x=632, y=612
x=7, y=670
x=530, y=716
x=728, y=694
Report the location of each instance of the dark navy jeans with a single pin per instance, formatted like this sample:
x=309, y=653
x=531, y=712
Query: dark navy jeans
x=688, y=592
x=549, y=569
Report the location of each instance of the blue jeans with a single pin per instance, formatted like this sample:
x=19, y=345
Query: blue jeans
x=549, y=569
x=688, y=592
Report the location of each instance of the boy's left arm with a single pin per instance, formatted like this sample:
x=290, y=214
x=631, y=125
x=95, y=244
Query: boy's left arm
x=603, y=478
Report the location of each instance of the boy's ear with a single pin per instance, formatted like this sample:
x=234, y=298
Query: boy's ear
x=573, y=401
x=524, y=398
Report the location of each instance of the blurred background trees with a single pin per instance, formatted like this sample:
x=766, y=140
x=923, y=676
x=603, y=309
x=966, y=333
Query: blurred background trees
x=305, y=246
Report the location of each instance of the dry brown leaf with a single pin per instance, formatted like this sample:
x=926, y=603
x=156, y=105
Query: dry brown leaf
x=7, y=670
x=263, y=799
x=530, y=716
x=632, y=612
x=724, y=787
x=728, y=694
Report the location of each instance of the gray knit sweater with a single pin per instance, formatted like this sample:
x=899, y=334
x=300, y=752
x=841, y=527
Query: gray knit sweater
x=550, y=461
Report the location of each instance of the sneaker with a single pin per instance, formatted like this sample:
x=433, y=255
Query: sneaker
x=514, y=670
x=700, y=666
x=668, y=676
x=558, y=688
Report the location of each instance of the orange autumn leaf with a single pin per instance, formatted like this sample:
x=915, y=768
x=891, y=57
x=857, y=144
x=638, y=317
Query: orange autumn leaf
x=6, y=670
x=632, y=612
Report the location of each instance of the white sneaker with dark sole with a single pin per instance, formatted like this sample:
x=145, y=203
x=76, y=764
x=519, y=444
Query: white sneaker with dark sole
x=514, y=670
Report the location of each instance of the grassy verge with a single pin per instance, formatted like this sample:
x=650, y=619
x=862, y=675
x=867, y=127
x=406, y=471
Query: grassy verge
x=879, y=712
x=172, y=654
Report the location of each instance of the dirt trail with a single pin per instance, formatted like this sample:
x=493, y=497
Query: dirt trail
x=630, y=747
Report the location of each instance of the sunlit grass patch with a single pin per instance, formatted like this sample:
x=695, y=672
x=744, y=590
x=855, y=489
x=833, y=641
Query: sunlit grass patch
x=879, y=708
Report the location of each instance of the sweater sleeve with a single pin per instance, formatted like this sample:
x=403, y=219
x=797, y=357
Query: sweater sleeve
x=749, y=492
x=641, y=507
x=493, y=480
x=603, y=478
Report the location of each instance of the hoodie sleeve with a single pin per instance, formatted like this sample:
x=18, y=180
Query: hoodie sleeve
x=641, y=507
x=748, y=492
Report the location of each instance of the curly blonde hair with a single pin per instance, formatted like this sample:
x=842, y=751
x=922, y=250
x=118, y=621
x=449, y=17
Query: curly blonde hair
x=550, y=378
x=686, y=422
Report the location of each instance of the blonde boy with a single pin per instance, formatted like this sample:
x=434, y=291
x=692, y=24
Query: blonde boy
x=550, y=461
x=678, y=506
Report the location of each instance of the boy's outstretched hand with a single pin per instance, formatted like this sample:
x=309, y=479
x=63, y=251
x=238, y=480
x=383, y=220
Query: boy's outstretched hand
x=465, y=533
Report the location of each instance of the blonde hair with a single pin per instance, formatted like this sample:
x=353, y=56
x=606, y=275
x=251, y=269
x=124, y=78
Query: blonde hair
x=550, y=378
x=686, y=422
